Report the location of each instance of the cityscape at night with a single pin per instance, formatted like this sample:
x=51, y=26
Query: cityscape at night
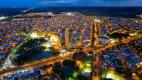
x=71, y=40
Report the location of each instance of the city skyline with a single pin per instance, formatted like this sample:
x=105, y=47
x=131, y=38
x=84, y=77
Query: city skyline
x=71, y=3
x=70, y=40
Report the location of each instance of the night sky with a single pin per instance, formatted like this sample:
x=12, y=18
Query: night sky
x=38, y=3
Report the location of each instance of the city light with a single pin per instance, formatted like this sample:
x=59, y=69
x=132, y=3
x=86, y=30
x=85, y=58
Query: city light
x=1, y=18
x=96, y=45
x=133, y=34
x=139, y=65
x=53, y=39
x=70, y=14
x=88, y=70
x=80, y=64
x=109, y=75
x=97, y=20
x=112, y=41
x=63, y=52
x=140, y=16
x=33, y=35
x=47, y=45
x=113, y=75
x=49, y=13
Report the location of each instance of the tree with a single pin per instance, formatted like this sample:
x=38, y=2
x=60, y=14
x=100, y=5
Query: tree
x=80, y=56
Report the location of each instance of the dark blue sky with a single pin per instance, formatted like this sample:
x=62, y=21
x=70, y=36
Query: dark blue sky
x=37, y=3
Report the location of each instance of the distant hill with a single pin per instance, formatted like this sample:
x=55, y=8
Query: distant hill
x=129, y=12
x=10, y=11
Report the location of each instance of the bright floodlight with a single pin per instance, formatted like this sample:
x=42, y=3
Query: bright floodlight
x=53, y=38
x=88, y=70
x=33, y=35
x=113, y=76
x=133, y=34
x=139, y=65
x=112, y=41
x=63, y=51
x=109, y=76
x=2, y=17
x=50, y=13
x=140, y=16
x=97, y=20
x=69, y=14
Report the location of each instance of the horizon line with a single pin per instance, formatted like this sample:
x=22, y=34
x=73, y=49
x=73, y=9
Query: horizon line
x=76, y=6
